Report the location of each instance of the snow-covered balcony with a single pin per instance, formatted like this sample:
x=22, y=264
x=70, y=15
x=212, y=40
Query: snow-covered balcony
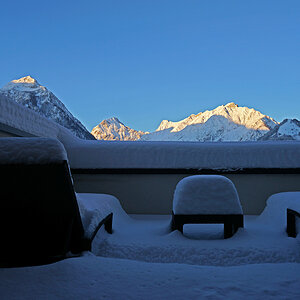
x=155, y=261
x=143, y=175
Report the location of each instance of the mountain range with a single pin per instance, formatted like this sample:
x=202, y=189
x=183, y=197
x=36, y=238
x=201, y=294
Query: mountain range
x=228, y=122
x=28, y=92
x=225, y=123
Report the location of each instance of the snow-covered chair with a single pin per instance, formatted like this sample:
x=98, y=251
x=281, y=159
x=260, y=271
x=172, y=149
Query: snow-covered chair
x=207, y=199
x=40, y=220
x=284, y=208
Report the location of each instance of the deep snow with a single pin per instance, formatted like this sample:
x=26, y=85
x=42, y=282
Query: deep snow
x=93, y=277
x=31, y=151
x=260, y=261
x=177, y=155
x=206, y=194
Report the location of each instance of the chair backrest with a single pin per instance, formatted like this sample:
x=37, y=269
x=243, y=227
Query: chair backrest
x=39, y=215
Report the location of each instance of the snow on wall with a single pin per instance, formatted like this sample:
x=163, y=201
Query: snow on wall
x=31, y=151
x=206, y=194
x=188, y=155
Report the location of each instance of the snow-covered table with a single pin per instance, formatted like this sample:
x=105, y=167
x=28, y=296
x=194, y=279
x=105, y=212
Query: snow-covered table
x=207, y=199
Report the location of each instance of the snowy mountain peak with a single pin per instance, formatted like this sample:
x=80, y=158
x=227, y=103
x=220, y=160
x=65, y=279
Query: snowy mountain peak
x=113, y=120
x=24, y=84
x=288, y=129
x=114, y=129
x=231, y=105
x=26, y=79
x=29, y=93
x=228, y=122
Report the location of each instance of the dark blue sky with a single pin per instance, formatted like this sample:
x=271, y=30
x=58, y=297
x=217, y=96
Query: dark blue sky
x=144, y=61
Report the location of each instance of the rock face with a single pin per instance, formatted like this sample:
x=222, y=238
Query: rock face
x=28, y=92
x=113, y=129
x=288, y=129
x=225, y=123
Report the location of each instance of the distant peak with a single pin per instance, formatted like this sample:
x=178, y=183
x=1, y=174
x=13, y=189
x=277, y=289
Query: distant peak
x=113, y=120
x=231, y=104
x=26, y=79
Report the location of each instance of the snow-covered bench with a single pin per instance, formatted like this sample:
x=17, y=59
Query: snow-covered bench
x=40, y=219
x=207, y=199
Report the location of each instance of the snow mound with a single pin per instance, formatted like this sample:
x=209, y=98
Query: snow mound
x=31, y=151
x=277, y=204
x=262, y=240
x=206, y=194
x=95, y=207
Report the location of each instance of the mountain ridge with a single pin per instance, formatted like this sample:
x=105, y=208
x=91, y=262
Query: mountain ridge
x=228, y=122
x=28, y=92
x=288, y=129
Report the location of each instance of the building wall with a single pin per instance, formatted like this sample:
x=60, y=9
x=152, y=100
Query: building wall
x=153, y=193
x=6, y=134
x=9, y=131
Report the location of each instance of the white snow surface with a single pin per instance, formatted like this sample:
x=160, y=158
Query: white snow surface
x=93, y=277
x=189, y=155
x=94, y=208
x=31, y=151
x=277, y=205
x=206, y=194
x=142, y=259
x=262, y=240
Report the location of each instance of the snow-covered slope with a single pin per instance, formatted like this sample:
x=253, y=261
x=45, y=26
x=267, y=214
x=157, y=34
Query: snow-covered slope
x=28, y=92
x=225, y=123
x=289, y=129
x=113, y=129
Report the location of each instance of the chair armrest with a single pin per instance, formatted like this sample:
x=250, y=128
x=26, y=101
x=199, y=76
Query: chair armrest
x=107, y=222
x=291, y=216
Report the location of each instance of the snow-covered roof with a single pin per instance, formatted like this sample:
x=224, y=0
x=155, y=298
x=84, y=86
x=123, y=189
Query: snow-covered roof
x=24, y=119
x=188, y=155
x=31, y=151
